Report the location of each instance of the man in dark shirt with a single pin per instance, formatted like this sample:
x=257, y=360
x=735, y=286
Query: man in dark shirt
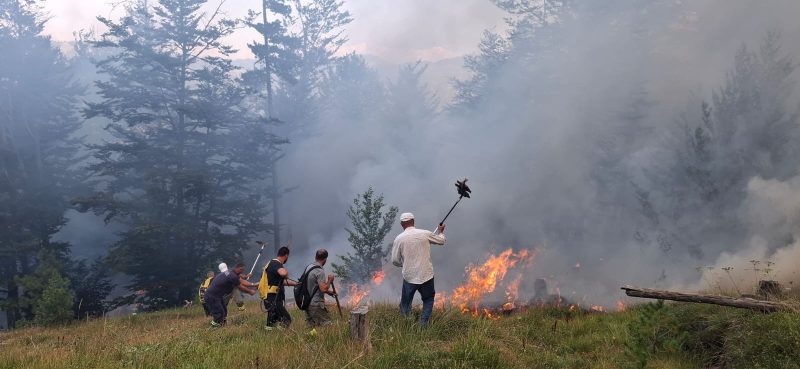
x=223, y=284
x=273, y=279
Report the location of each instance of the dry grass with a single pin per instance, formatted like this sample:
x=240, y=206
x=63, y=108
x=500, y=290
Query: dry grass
x=181, y=338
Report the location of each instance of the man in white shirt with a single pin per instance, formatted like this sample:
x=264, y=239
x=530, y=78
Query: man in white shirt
x=412, y=251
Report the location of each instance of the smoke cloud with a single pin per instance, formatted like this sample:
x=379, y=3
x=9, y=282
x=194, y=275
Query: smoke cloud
x=531, y=151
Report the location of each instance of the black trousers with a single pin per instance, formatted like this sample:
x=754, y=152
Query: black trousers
x=218, y=309
x=276, y=311
x=206, y=309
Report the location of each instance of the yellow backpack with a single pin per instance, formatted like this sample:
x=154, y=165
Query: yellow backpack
x=203, y=287
x=263, y=286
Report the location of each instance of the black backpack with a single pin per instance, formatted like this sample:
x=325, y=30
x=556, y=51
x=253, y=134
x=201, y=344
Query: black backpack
x=301, y=296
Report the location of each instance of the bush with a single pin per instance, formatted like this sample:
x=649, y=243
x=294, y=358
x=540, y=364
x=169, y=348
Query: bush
x=719, y=336
x=765, y=341
x=55, y=304
x=654, y=330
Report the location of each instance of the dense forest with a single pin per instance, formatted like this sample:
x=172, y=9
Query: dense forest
x=623, y=135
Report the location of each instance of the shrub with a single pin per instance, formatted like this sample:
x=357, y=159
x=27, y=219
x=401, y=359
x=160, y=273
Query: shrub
x=55, y=304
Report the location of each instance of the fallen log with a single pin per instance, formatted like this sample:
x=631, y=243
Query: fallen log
x=742, y=303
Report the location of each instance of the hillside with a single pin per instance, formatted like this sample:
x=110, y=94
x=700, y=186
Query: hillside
x=659, y=336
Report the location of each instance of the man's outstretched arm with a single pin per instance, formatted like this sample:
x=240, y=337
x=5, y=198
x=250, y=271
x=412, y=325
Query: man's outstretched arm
x=437, y=238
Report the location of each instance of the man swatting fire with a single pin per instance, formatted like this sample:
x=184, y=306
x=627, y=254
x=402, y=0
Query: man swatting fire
x=411, y=250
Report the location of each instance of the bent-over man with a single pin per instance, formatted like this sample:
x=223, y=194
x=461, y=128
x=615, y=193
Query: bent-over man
x=411, y=250
x=235, y=295
x=223, y=284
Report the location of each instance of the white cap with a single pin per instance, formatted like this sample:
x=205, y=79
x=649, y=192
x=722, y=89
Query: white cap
x=223, y=267
x=406, y=217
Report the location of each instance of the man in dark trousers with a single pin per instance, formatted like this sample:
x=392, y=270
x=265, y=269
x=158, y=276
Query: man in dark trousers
x=411, y=250
x=273, y=279
x=223, y=284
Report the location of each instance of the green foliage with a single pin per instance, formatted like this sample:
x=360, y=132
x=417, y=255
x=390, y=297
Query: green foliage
x=653, y=331
x=179, y=338
x=762, y=341
x=54, y=306
x=38, y=147
x=185, y=171
x=742, y=133
x=91, y=285
x=35, y=284
x=738, y=339
x=370, y=227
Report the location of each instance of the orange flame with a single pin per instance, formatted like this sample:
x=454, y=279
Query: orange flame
x=356, y=294
x=512, y=291
x=377, y=278
x=440, y=300
x=620, y=305
x=483, y=280
x=598, y=308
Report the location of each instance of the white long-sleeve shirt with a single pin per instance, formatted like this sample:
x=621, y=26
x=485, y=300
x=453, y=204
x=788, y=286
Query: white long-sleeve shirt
x=412, y=251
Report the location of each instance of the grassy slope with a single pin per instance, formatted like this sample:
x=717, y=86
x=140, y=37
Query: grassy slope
x=181, y=338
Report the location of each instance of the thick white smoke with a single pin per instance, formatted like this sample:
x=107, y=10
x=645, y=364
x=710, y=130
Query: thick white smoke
x=531, y=149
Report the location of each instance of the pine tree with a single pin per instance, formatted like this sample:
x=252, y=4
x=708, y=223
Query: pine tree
x=370, y=227
x=321, y=34
x=38, y=146
x=351, y=91
x=409, y=98
x=494, y=49
x=277, y=58
x=91, y=286
x=55, y=304
x=745, y=131
x=322, y=25
x=180, y=171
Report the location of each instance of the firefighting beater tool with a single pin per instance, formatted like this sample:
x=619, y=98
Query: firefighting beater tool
x=463, y=191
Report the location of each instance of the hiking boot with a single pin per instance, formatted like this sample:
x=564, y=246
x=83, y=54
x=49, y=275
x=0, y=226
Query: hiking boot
x=215, y=324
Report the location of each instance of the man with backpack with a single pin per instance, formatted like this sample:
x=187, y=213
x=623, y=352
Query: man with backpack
x=311, y=290
x=270, y=288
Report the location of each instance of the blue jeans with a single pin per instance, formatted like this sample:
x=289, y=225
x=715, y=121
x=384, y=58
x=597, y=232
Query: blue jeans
x=426, y=291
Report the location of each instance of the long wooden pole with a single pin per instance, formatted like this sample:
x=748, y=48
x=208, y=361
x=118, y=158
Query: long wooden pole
x=336, y=296
x=742, y=303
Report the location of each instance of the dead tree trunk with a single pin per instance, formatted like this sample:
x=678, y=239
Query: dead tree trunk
x=742, y=303
x=359, y=326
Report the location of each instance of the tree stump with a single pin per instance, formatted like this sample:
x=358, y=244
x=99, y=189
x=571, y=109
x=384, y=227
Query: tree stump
x=359, y=325
x=770, y=289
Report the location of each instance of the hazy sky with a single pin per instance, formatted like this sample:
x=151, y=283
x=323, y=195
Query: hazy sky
x=396, y=30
